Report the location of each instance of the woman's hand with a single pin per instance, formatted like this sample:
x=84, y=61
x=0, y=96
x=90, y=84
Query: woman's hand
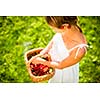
x=37, y=60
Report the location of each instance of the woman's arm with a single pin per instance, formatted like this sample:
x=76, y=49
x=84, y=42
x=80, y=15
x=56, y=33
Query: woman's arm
x=44, y=51
x=69, y=61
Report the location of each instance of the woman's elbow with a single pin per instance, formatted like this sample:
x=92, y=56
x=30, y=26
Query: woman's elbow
x=56, y=65
x=61, y=67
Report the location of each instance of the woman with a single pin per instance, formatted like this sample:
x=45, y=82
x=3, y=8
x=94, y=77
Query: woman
x=67, y=48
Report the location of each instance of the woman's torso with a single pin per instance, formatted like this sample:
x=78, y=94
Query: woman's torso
x=59, y=52
x=62, y=45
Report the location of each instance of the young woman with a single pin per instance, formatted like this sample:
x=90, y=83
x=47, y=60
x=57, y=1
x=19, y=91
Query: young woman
x=67, y=48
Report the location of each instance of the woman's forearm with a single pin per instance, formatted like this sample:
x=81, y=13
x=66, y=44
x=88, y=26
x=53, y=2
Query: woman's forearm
x=45, y=62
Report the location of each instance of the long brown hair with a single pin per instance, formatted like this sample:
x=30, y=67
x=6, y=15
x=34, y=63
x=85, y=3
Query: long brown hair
x=58, y=21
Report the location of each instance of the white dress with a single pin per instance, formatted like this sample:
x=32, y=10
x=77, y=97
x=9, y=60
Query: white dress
x=58, y=53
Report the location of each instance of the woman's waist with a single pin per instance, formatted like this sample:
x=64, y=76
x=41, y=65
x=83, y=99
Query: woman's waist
x=57, y=55
x=75, y=66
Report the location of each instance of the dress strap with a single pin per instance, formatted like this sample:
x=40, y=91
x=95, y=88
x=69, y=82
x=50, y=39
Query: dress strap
x=80, y=46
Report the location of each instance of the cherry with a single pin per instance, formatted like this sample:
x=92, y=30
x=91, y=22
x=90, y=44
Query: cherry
x=32, y=66
x=41, y=73
x=45, y=69
x=36, y=68
x=40, y=69
x=34, y=73
x=41, y=66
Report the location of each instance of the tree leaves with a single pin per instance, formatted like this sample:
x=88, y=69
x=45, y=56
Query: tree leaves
x=91, y=68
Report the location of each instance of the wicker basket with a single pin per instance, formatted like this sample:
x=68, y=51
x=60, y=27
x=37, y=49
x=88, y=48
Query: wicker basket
x=34, y=78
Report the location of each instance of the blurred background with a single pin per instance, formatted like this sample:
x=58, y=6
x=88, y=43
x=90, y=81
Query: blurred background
x=19, y=34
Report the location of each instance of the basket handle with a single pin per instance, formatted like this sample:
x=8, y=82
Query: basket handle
x=30, y=52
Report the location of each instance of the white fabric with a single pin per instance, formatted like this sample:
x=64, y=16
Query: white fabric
x=79, y=47
x=67, y=75
x=58, y=53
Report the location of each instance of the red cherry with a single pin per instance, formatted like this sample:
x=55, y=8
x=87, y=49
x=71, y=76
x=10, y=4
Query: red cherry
x=41, y=73
x=36, y=68
x=37, y=72
x=32, y=65
x=34, y=73
x=38, y=64
x=41, y=66
x=45, y=69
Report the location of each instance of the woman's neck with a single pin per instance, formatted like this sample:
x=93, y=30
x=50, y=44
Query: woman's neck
x=73, y=34
x=70, y=32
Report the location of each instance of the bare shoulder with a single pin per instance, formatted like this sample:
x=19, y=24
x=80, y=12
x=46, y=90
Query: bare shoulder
x=80, y=38
x=78, y=52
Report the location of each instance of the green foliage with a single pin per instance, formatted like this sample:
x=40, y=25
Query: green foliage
x=90, y=64
x=18, y=34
